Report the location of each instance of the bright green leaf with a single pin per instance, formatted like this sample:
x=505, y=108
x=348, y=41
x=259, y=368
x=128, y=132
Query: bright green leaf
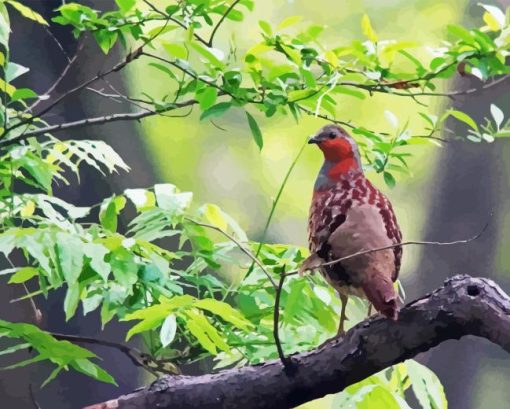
x=27, y=12
x=215, y=111
x=367, y=29
x=255, y=130
x=23, y=274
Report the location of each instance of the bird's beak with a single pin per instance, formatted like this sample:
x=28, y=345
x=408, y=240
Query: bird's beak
x=314, y=139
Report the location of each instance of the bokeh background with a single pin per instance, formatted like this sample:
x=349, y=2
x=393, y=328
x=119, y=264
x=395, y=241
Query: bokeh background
x=450, y=195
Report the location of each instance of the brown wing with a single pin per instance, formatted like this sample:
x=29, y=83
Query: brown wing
x=327, y=213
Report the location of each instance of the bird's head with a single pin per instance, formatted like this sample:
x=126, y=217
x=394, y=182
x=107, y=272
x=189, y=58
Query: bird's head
x=340, y=150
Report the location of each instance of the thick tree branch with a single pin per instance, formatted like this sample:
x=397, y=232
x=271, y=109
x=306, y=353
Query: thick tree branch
x=463, y=306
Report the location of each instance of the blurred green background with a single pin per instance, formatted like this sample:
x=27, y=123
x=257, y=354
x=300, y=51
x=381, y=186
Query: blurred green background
x=449, y=196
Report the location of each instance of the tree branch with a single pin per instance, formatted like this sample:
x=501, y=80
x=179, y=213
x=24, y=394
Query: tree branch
x=463, y=306
x=95, y=121
x=137, y=357
x=314, y=266
x=220, y=22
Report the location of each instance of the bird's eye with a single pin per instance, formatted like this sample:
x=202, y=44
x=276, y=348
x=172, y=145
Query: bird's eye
x=331, y=135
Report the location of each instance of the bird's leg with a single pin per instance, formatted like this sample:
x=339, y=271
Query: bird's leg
x=343, y=300
x=341, y=331
x=369, y=313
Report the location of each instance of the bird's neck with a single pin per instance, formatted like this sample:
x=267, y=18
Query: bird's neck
x=333, y=172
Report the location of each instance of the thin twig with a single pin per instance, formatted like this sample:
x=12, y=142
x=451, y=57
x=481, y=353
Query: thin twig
x=37, y=312
x=326, y=117
x=276, y=319
x=223, y=17
x=32, y=396
x=405, y=243
x=138, y=358
x=117, y=67
x=58, y=43
x=351, y=126
x=238, y=244
x=179, y=23
x=59, y=79
x=450, y=94
x=95, y=121
x=190, y=73
x=275, y=203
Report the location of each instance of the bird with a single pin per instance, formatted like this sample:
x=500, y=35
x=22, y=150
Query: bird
x=349, y=215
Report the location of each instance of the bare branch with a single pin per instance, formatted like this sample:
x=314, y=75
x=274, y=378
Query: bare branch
x=95, y=121
x=70, y=62
x=326, y=117
x=405, y=243
x=137, y=357
x=463, y=306
x=32, y=396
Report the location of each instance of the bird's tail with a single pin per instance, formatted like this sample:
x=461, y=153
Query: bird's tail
x=381, y=293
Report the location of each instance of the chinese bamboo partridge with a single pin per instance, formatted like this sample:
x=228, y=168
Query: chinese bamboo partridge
x=348, y=215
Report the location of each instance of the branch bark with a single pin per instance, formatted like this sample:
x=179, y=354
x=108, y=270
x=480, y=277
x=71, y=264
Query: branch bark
x=463, y=306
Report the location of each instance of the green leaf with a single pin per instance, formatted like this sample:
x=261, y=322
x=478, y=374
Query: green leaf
x=96, y=253
x=70, y=256
x=14, y=348
x=340, y=89
x=71, y=300
x=125, y=5
x=38, y=169
x=23, y=274
x=289, y=21
x=426, y=386
x=300, y=94
x=108, y=216
x=175, y=50
x=214, y=215
x=266, y=28
x=52, y=375
x=204, y=332
x=212, y=55
x=91, y=303
x=389, y=179
x=367, y=29
x=255, y=130
x=225, y=311
x=23, y=93
x=27, y=12
x=461, y=32
x=168, y=329
x=206, y=97
x=109, y=210
x=89, y=368
x=463, y=117
x=215, y=111
x=105, y=39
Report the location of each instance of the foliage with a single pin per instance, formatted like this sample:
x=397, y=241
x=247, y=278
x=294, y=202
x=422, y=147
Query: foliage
x=166, y=271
